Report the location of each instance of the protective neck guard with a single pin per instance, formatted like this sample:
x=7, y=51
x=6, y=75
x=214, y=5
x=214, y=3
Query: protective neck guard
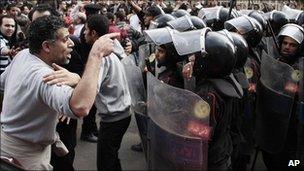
x=228, y=86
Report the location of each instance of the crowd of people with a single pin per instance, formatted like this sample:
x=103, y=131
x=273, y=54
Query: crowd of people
x=61, y=61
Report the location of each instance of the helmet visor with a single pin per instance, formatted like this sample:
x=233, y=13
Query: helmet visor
x=181, y=24
x=242, y=25
x=159, y=36
x=190, y=42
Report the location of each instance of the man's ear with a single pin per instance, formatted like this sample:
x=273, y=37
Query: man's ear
x=46, y=46
x=94, y=33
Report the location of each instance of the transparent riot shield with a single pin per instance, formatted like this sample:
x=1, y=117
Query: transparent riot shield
x=119, y=50
x=271, y=47
x=145, y=53
x=275, y=96
x=138, y=97
x=178, y=128
x=1, y=100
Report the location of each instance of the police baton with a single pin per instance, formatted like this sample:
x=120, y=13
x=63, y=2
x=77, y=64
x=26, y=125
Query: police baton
x=271, y=30
x=232, y=5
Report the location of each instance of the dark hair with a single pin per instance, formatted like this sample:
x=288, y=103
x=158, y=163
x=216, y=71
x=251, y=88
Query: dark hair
x=92, y=9
x=9, y=6
x=110, y=16
x=42, y=29
x=99, y=23
x=22, y=20
x=153, y=11
x=120, y=16
x=42, y=8
x=23, y=6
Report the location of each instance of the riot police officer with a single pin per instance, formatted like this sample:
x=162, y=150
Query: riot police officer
x=215, y=17
x=167, y=56
x=241, y=126
x=215, y=85
x=252, y=32
x=279, y=128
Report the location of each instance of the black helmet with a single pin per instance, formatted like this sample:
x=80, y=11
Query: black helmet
x=216, y=16
x=197, y=22
x=161, y=20
x=214, y=64
x=300, y=20
x=277, y=19
x=215, y=53
x=187, y=23
x=242, y=50
x=180, y=12
x=248, y=27
x=259, y=17
x=241, y=47
x=91, y=9
x=153, y=11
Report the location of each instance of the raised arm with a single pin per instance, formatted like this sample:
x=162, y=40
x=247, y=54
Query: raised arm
x=84, y=94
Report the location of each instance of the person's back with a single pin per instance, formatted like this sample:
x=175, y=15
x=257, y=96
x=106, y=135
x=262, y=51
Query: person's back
x=112, y=101
x=114, y=96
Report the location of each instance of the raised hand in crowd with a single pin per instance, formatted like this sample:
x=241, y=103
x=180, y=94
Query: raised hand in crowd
x=128, y=47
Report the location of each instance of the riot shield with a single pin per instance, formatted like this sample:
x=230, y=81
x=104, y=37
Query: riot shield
x=119, y=51
x=271, y=47
x=275, y=96
x=178, y=128
x=145, y=53
x=135, y=82
x=138, y=97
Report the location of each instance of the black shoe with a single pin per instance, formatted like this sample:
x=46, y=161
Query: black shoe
x=89, y=138
x=137, y=147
